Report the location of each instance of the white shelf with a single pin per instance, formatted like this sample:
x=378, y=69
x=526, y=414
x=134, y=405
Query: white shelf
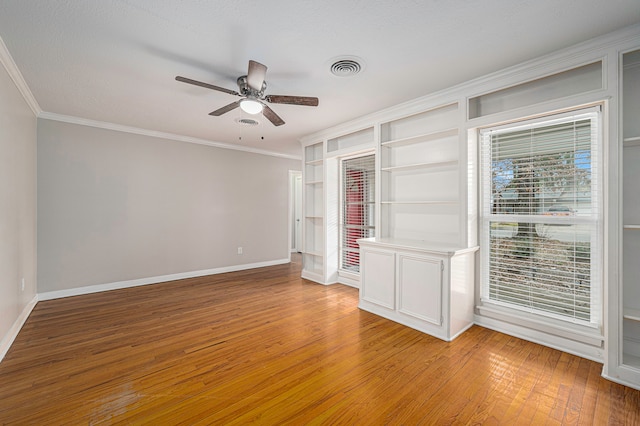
x=313, y=153
x=635, y=227
x=631, y=360
x=633, y=141
x=314, y=162
x=406, y=167
x=424, y=202
x=426, y=246
x=313, y=258
x=422, y=138
x=631, y=314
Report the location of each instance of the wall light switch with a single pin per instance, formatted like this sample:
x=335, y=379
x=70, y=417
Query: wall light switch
x=239, y=250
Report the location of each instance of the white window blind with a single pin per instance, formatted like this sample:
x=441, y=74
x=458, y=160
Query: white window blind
x=542, y=217
x=358, y=208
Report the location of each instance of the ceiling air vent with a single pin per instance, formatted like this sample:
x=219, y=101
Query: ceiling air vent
x=247, y=122
x=346, y=66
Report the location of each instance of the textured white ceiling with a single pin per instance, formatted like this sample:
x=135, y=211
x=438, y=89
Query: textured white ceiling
x=115, y=60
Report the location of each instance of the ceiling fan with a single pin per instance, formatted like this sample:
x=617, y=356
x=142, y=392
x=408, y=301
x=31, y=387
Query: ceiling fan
x=251, y=89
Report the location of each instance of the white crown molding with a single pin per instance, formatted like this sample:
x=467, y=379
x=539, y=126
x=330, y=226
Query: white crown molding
x=18, y=79
x=156, y=134
x=14, y=73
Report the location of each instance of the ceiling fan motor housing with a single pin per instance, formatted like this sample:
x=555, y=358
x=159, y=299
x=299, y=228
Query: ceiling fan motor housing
x=247, y=91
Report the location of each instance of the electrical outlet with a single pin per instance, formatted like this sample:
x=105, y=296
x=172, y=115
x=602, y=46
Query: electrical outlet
x=239, y=250
x=22, y=284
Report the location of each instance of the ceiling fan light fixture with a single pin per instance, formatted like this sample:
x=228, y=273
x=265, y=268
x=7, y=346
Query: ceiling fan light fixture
x=251, y=90
x=251, y=106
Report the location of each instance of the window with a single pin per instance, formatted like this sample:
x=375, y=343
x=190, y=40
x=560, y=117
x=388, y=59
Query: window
x=357, y=218
x=541, y=217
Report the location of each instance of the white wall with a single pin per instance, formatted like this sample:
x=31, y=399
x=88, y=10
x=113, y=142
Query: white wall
x=116, y=206
x=17, y=210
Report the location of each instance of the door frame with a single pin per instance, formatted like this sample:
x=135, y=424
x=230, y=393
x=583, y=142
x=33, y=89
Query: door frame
x=295, y=203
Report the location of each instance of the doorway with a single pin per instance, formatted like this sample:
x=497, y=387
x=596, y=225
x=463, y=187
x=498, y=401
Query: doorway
x=295, y=211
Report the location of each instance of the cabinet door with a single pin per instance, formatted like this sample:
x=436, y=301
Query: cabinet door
x=378, y=273
x=420, y=287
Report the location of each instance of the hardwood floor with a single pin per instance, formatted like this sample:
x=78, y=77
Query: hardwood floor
x=265, y=346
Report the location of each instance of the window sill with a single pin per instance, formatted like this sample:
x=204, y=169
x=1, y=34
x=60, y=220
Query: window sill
x=583, y=334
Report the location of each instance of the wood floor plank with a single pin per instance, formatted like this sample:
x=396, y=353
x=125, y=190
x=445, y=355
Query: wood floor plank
x=267, y=347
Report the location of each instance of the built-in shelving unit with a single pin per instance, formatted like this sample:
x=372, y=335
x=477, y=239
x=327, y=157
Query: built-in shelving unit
x=321, y=178
x=631, y=213
x=420, y=175
x=417, y=271
x=420, y=268
x=628, y=369
x=313, y=230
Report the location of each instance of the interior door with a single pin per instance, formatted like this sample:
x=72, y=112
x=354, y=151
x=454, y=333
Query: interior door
x=297, y=213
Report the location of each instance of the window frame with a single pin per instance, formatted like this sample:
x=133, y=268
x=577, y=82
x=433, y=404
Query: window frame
x=595, y=220
x=341, y=213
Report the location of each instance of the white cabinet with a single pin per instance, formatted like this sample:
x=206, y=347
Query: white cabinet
x=379, y=268
x=422, y=286
x=419, y=285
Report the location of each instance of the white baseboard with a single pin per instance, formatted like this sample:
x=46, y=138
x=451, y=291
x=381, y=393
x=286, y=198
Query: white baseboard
x=49, y=295
x=312, y=276
x=11, y=335
x=349, y=283
x=349, y=278
x=620, y=381
x=573, y=347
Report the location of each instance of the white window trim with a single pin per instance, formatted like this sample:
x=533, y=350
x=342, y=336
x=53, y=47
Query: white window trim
x=351, y=277
x=591, y=333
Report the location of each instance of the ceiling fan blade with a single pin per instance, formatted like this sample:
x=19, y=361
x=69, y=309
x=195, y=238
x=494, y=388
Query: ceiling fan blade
x=206, y=85
x=272, y=116
x=292, y=100
x=225, y=109
x=256, y=75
